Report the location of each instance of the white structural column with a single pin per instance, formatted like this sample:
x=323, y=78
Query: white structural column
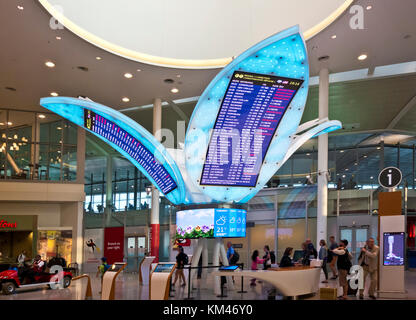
x=321, y=225
x=154, y=215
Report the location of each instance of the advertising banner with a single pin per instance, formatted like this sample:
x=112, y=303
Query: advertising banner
x=114, y=244
x=93, y=248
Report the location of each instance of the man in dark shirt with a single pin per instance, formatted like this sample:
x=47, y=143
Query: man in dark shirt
x=181, y=260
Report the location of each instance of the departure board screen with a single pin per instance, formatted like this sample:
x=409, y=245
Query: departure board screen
x=113, y=133
x=248, y=118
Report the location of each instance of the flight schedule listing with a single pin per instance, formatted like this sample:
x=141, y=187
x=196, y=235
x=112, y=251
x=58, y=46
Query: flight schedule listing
x=113, y=133
x=250, y=113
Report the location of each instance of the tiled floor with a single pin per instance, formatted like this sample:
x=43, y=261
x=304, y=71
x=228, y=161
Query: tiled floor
x=128, y=288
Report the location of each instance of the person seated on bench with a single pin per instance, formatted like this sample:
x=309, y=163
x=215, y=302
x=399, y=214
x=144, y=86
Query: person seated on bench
x=286, y=260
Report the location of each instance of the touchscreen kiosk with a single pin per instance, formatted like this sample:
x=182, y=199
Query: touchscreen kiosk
x=160, y=281
x=109, y=280
x=144, y=270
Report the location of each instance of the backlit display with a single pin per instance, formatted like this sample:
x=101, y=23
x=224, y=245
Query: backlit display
x=114, y=134
x=250, y=113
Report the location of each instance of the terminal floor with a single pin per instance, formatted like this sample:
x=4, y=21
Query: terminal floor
x=128, y=288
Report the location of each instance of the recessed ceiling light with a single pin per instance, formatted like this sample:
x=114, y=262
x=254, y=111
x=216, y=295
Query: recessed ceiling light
x=125, y=99
x=58, y=128
x=369, y=7
x=174, y=90
x=58, y=38
x=41, y=116
x=9, y=123
x=138, y=70
x=333, y=36
x=54, y=94
x=178, y=76
x=362, y=57
x=98, y=58
x=50, y=64
x=20, y=7
x=1, y=123
x=128, y=75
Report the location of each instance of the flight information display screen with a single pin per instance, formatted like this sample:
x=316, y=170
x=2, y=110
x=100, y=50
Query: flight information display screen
x=248, y=118
x=113, y=133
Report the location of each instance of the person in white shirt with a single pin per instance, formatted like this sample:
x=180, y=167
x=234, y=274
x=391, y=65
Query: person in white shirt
x=21, y=259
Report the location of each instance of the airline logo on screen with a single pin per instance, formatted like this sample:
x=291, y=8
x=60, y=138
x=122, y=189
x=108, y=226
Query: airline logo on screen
x=252, y=108
x=229, y=223
x=113, y=133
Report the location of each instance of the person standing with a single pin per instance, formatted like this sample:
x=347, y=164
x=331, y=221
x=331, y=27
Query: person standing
x=267, y=262
x=255, y=260
x=344, y=265
x=323, y=255
x=332, y=257
x=22, y=258
x=181, y=260
x=369, y=261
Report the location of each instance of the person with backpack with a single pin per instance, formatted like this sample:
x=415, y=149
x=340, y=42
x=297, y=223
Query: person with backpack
x=181, y=261
x=344, y=265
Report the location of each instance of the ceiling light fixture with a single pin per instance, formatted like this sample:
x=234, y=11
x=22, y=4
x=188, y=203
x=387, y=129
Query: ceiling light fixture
x=58, y=38
x=369, y=7
x=54, y=94
x=50, y=64
x=138, y=70
x=9, y=123
x=362, y=57
x=20, y=7
x=174, y=90
x=125, y=99
x=334, y=36
x=128, y=75
x=98, y=58
x=41, y=116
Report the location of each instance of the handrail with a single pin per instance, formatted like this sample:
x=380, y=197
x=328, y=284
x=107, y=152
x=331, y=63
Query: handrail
x=88, y=293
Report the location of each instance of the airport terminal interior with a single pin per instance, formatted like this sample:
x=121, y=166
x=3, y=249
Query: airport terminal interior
x=207, y=150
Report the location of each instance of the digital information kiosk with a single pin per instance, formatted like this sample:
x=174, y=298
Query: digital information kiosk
x=144, y=270
x=109, y=280
x=160, y=281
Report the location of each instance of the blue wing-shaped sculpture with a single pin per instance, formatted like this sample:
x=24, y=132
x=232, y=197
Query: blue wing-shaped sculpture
x=261, y=92
x=127, y=137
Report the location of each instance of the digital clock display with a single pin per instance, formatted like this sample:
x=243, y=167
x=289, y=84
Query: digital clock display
x=134, y=148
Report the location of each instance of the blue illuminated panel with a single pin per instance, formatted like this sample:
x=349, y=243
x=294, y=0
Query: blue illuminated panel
x=113, y=133
x=229, y=223
x=248, y=118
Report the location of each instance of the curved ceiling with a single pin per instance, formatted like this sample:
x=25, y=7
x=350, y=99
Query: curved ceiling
x=189, y=33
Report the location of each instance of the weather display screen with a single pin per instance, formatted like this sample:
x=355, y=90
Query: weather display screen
x=113, y=133
x=211, y=223
x=393, y=248
x=249, y=115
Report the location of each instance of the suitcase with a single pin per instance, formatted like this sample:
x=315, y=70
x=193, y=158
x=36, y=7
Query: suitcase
x=328, y=293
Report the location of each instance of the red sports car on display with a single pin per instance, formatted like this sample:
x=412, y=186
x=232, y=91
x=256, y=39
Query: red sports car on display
x=13, y=279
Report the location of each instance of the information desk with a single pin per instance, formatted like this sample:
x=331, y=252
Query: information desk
x=160, y=281
x=144, y=270
x=109, y=280
x=289, y=282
